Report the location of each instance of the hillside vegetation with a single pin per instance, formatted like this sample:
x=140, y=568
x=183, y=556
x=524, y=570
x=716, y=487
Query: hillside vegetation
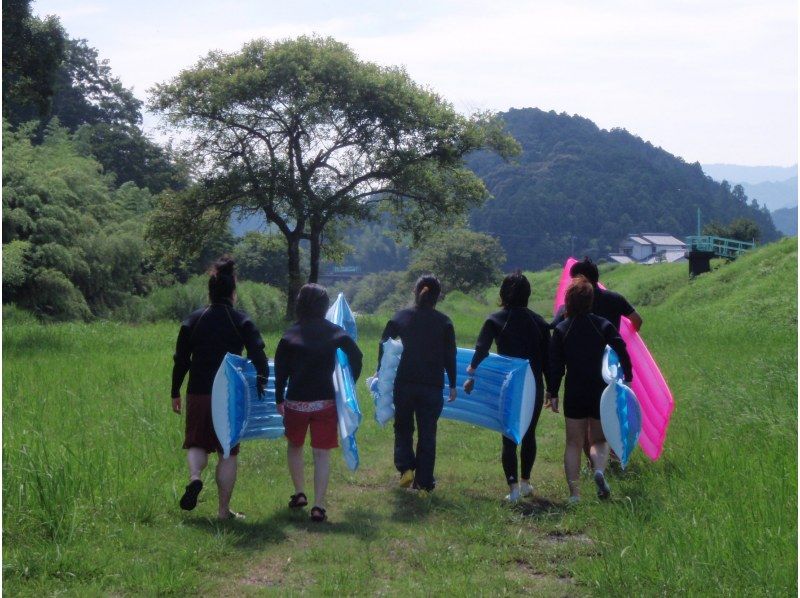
x=579, y=189
x=92, y=469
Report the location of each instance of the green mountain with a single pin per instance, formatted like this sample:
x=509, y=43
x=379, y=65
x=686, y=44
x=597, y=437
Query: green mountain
x=786, y=221
x=580, y=189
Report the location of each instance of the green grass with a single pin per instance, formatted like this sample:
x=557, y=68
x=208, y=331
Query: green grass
x=92, y=470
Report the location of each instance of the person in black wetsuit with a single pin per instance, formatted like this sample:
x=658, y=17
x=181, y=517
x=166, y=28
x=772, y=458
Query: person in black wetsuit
x=204, y=339
x=517, y=332
x=606, y=304
x=305, y=359
x=577, y=345
x=429, y=349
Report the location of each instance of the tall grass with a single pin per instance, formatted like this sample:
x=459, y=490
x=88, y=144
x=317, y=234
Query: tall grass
x=92, y=470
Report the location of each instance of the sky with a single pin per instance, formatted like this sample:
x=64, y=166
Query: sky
x=712, y=81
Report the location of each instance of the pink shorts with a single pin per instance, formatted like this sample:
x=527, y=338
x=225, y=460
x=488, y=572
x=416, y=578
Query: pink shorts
x=323, y=423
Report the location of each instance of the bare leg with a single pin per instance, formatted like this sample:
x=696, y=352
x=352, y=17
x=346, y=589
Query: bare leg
x=322, y=471
x=197, y=459
x=294, y=456
x=226, y=478
x=599, y=448
x=576, y=433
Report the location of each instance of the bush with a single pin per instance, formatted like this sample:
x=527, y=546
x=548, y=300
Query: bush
x=463, y=260
x=383, y=291
x=53, y=297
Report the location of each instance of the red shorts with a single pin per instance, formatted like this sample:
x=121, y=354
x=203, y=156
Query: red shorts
x=324, y=426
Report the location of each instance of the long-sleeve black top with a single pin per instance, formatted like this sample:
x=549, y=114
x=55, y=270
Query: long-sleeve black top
x=518, y=332
x=578, y=345
x=204, y=339
x=429, y=346
x=606, y=304
x=306, y=357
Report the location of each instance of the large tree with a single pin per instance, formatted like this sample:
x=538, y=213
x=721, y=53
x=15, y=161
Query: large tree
x=308, y=134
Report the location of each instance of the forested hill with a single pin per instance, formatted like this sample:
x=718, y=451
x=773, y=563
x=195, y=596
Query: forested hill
x=579, y=188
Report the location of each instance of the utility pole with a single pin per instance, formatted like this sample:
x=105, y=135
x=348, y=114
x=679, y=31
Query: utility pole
x=698, y=221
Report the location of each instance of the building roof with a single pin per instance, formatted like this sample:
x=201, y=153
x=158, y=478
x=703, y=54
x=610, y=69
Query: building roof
x=620, y=258
x=638, y=240
x=663, y=239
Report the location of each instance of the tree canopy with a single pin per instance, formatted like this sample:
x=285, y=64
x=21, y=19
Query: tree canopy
x=307, y=133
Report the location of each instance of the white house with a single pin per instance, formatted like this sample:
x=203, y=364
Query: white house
x=650, y=248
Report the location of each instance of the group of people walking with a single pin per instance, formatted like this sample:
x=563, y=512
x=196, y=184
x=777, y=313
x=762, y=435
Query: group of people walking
x=570, y=349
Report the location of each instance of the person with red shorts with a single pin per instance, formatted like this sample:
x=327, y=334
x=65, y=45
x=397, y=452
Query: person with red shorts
x=304, y=362
x=204, y=339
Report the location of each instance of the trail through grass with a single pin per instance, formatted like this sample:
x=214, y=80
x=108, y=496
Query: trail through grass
x=92, y=470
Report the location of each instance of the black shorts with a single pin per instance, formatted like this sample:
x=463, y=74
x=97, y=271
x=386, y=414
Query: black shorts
x=582, y=405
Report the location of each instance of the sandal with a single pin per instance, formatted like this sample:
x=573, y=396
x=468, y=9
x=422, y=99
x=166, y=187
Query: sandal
x=318, y=514
x=298, y=501
x=189, y=498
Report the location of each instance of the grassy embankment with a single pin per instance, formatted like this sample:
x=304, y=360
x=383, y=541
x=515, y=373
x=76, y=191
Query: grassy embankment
x=92, y=470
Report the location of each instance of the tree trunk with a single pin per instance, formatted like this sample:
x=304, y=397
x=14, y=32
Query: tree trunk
x=295, y=277
x=315, y=247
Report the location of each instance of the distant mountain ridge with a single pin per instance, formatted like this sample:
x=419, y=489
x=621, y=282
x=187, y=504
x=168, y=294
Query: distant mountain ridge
x=579, y=189
x=773, y=194
x=785, y=220
x=739, y=173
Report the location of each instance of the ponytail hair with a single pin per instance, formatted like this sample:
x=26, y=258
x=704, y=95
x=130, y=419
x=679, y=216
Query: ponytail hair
x=427, y=290
x=222, y=279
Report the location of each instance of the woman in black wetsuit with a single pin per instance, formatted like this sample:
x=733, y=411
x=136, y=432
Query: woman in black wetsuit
x=517, y=332
x=304, y=361
x=429, y=349
x=204, y=339
x=578, y=344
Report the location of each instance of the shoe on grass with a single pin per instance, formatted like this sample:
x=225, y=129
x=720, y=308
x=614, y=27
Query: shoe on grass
x=514, y=495
x=407, y=478
x=525, y=489
x=573, y=500
x=189, y=498
x=603, y=489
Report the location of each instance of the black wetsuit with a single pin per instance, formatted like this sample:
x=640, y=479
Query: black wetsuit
x=578, y=345
x=429, y=350
x=306, y=357
x=606, y=304
x=204, y=339
x=518, y=332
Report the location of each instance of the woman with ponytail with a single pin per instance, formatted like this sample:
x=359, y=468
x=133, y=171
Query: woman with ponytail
x=429, y=350
x=206, y=335
x=518, y=332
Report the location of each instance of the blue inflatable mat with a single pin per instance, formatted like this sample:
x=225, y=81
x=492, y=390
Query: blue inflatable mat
x=502, y=400
x=237, y=412
x=620, y=412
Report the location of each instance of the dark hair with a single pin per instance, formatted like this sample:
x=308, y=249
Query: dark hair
x=585, y=268
x=222, y=279
x=312, y=302
x=427, y=290
x=578, y=299
x=515, y=290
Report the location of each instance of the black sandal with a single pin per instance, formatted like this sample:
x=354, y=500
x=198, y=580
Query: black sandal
x=298, y=501
x=189, y=498
x=318, y=514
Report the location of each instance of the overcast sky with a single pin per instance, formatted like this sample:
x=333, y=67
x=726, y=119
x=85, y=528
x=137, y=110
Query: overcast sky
x=708, y=80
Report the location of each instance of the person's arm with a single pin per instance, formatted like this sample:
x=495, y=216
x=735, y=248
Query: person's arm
x=450, y=355
x=558, y=318
x=483, y=344
x=282, y=369
x=627, y=310
x=544, y=344
x=182, y=359
x=556, y=364
x=354, y=355
x=389, y=331
x=636, y=320
x=614, y=340
x=255, y=352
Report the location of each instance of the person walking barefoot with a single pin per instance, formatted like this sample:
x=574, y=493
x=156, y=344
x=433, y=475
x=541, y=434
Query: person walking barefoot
x=206, y=335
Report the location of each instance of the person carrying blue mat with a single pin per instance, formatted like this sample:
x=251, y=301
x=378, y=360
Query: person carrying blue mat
x=205, y=337
x=518, y=332
x=429, y=349
x=305, y=360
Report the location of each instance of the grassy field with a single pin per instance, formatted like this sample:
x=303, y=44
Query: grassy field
x=92, y=470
